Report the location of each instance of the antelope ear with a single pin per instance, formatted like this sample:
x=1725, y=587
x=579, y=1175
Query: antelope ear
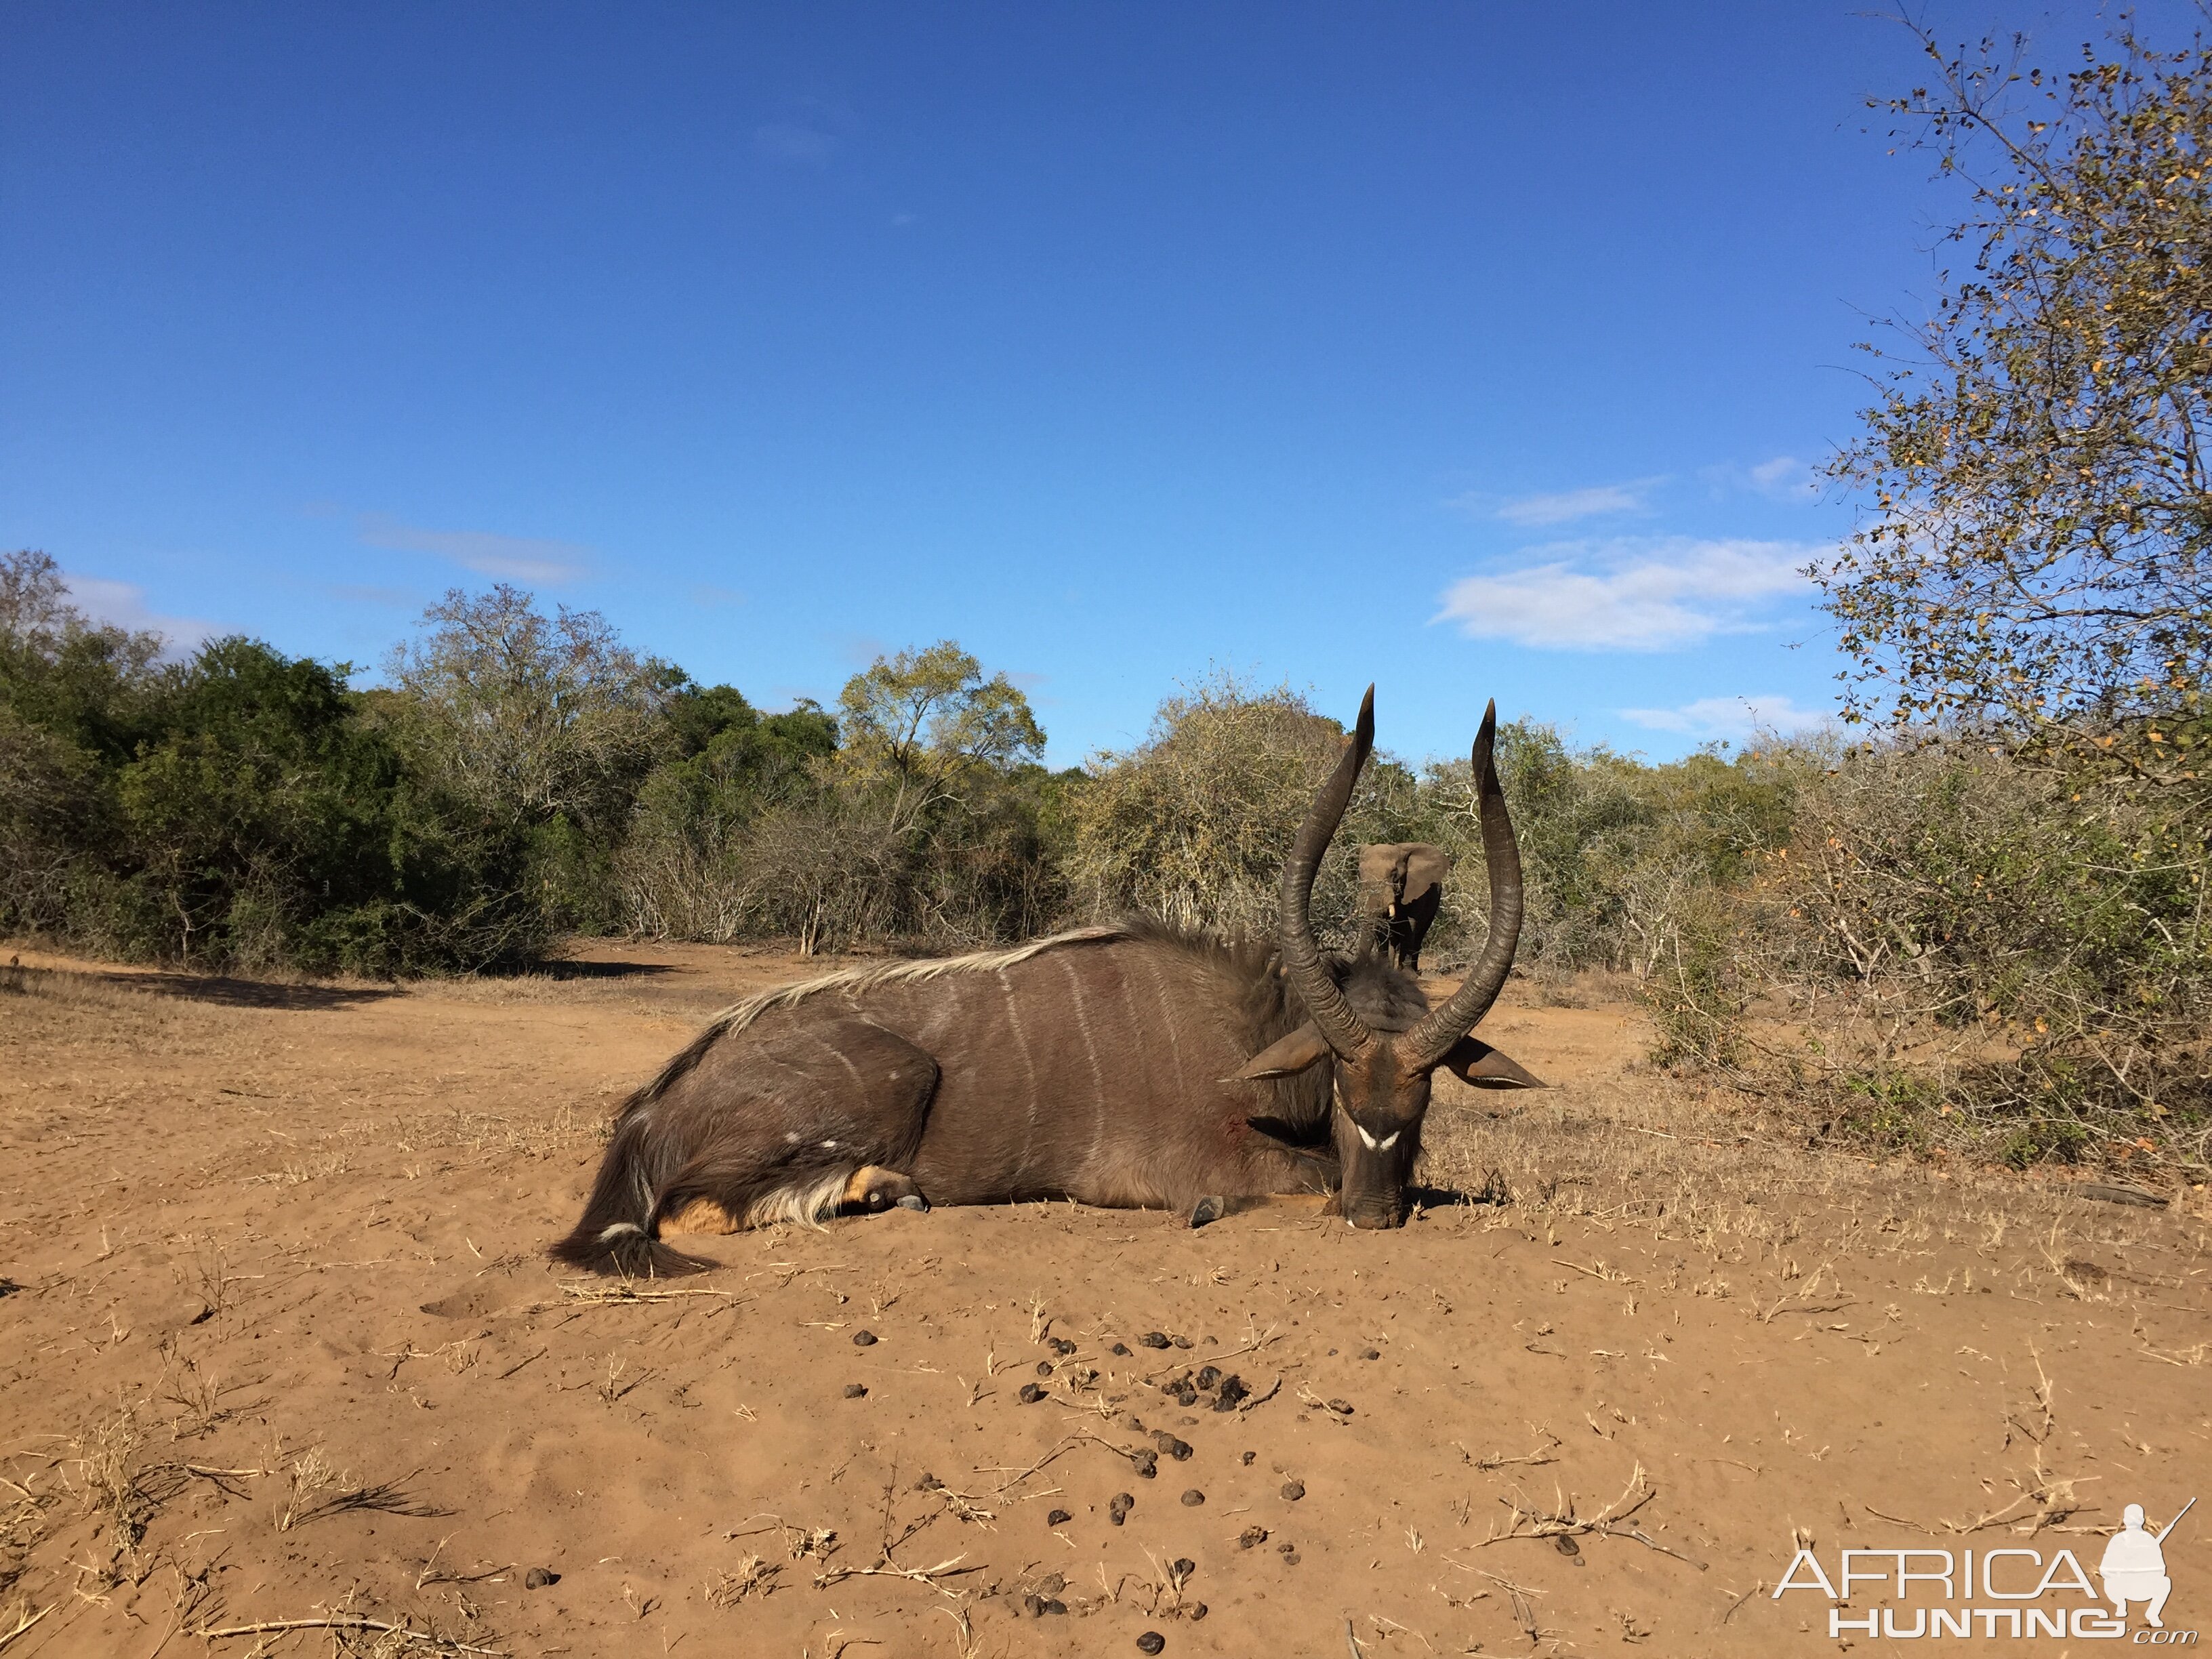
x=1473, y=1060
x=1304, y=1047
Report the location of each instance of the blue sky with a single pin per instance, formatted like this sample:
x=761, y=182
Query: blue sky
x=1478, y=350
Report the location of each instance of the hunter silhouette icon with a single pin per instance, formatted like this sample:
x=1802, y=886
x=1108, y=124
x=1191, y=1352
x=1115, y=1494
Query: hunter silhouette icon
x=2133, y=1564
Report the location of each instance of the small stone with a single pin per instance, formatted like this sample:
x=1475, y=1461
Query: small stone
x=539, y=1577
x=1251, y=1537
x=927, y=1483
x=1057, y=1518
x=1294, y=1490
x=1372, y=1353
x=1186, y=1396
x=1183, y=1342
x=1287, y=1549
x=1033, y=1604
x=1178, y=1450
x=1247, y=1459
x=1193, y=1498
x=864, y=1338
x=1567, y=1546
x=1121, y=1348
x=1146, y=1463
x=1232, y=1395
x=1341, y=1408
x=1151, y=1642
x=1291, y=1559
x=1118, y=1507
x=1198, y=1610
x=1153, y=1340
x=856, y=1391
x=1208, y=1376
x=1051, y=1604
x=1183, y=1567
x=1044, y=1368
x=1061, y=1345
x=1031, y=1394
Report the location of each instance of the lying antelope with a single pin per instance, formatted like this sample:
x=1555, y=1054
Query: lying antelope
x=1129, y=1067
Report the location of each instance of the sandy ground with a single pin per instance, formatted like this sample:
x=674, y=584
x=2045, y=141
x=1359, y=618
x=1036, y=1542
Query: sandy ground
x=277, y=1344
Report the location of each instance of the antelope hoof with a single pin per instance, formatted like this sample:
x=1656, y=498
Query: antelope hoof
x=874, y=1189
x=1209, y=1210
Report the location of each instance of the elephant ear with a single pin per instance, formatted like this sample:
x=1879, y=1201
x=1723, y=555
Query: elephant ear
x=1425, y=867
x=1304, y=1047
x=1474, y=1061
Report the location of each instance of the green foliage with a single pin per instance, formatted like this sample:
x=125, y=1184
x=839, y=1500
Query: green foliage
x=232, y=810
x=929, y=822
x=2038, y=561
x=1194, y=825
x=929, y=725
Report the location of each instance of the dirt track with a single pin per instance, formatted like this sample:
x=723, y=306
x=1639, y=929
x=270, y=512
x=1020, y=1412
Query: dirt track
x=276, y=1343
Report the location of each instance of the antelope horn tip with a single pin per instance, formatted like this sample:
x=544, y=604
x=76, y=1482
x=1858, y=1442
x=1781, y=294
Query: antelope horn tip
x=1485, y=737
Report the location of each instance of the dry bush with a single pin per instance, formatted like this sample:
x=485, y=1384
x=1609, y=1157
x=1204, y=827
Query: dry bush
x=1960, y=951
x=1194, y=825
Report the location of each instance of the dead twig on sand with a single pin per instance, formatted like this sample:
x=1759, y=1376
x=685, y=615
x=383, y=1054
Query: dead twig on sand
x=346, y=1621
x=887, y=1568
x=23, y=1623
x=1258, y=1400
x=1067, y=1445
x=1612, y=1521
x=1499, y=1460
x=1265, y=1338
x=1524, y=1611
x=587, y=1293
x=1884, y=1515
x=1741, y=1599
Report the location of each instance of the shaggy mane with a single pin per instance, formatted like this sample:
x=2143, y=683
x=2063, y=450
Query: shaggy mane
x=738, y=1015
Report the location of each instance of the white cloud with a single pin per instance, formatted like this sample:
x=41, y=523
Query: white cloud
x=1784, y=478
x=1570, y=504
x=1630, y=593
x=122, y=604
x=789, y=140
x=1734, y=718
x=522, y=558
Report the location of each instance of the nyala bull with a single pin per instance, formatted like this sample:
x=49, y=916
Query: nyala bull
x=1129, y=1067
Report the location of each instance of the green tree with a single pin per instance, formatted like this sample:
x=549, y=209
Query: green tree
x=528, y=716
x=2037, y=560
x=928, y=723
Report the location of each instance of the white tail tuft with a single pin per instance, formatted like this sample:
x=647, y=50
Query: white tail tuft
x=805, y=1205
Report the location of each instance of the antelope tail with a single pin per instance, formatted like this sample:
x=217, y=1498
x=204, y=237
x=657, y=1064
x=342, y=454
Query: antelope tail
x=619, y=1231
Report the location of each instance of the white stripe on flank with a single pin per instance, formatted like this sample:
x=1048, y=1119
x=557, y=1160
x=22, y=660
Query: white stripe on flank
x=1090, y=1053
x=1029, y=1072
